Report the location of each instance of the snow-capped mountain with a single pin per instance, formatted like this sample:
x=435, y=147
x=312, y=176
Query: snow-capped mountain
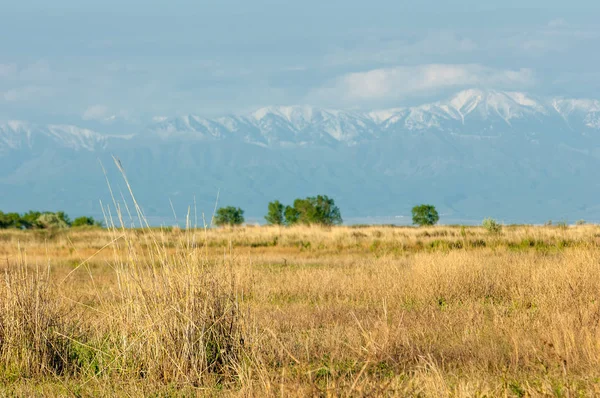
x=16, y=135
x=478, y=153
x=285, y=125
x=467, y=111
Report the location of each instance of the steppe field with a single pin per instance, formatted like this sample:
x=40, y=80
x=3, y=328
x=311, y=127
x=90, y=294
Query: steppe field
x=301, y=311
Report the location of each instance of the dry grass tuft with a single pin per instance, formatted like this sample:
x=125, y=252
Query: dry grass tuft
x=34, y=327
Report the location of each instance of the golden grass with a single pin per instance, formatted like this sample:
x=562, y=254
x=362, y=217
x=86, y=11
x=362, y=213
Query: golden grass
x=303, y=311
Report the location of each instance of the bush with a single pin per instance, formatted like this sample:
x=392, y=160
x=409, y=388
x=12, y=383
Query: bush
x=86, y=222
x=51, y=220
x=229, y=216
x=425, y=215
x=492, y=226
x=63, y=217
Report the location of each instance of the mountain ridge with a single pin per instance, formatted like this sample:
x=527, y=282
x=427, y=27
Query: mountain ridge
x=306, y=125
x=476, y=154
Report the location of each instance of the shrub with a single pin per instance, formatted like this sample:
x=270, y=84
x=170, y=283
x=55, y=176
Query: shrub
x=51, y=220
x=492, y=226
x=229, y=216
x=425, y=215
x=580, y=222
x=64, y=217
x=86, y=221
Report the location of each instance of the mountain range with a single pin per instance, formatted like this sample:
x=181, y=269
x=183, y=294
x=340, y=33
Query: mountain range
x=508, y=155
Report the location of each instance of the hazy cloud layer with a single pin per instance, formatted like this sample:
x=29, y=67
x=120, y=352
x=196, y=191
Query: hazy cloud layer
x=96, y=112
x=399, y=82
x=80, y=63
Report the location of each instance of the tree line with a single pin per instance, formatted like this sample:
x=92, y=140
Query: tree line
x=312, y=210
x=44, y=220
x=318, y=210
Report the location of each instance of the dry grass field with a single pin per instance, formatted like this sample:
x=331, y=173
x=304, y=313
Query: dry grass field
x=303, y=311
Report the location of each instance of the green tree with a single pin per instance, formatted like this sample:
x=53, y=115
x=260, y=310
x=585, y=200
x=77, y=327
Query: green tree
x=35, y=219
x=29, y=220
x=229, y=216
x=291, y=215
x=10, y=220
x=275, y=213
x=64, y=217
x=425, y=215
x=314, y=210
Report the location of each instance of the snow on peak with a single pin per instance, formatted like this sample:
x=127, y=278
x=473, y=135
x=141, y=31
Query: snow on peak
x=17, y=134
x=490, y=103
x=75, y=137
x=192, y=126
x=386, y=115
x=18, y=125
x=467, y=100
x=292, y=114
x=523, y=100
x=567, y=106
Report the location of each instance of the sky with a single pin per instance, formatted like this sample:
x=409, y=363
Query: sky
x=121, y=64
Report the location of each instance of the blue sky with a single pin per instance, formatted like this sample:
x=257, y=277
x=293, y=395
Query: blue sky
x=110, y=63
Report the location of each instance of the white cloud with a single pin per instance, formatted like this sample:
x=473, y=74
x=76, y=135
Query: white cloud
x=108, y=115
x=96, y=112
x=158, y=119
x=402, y=81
